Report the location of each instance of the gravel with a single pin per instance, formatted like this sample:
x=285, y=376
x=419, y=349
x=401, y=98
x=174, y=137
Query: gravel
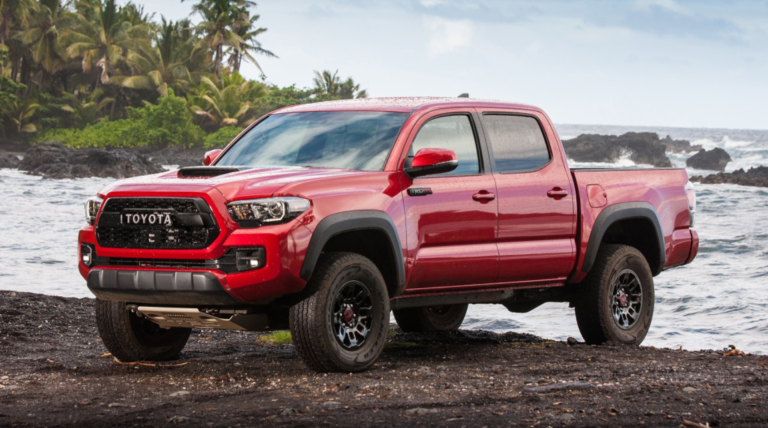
x=53, y=372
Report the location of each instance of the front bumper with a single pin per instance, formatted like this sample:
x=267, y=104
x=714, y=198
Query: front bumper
x=159, y=287
x=203, y=282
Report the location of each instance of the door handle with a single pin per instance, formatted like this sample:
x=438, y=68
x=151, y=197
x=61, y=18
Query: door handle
x=557, y=193
x=483, y=196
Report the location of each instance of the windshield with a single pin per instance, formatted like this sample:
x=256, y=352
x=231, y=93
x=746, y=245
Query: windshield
x=335, y=139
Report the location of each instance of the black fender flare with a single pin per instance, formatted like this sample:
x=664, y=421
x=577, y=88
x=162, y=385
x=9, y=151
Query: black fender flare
x=350, y=221
x=624, y=211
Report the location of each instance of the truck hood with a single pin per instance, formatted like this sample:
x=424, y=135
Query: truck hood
x=247, y=183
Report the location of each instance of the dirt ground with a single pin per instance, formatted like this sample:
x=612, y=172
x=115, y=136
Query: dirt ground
x=52, y=373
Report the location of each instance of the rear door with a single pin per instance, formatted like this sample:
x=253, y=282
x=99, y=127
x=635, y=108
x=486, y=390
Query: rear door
x=451, y=217
x=537, y=205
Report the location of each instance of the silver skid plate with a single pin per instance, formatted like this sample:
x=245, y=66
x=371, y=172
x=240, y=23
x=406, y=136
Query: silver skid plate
x=193, y=318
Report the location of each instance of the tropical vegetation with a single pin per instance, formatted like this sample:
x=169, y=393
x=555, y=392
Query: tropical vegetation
x=97, y=73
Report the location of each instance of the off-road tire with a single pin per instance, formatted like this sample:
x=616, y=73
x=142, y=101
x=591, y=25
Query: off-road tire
x=311, y=319
x=432, y=318
x=132, y=338
x=594, y=307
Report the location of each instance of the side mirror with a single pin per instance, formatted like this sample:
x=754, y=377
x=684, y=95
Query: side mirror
x=211, y=156
x=432, y=161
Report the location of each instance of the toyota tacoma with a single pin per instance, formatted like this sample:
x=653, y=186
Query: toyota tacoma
x=323, y=218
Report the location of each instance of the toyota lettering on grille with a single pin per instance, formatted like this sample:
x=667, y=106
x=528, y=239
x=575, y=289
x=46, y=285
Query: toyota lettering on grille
x=145, y=219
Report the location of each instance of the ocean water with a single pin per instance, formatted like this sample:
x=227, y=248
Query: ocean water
x=719, y=299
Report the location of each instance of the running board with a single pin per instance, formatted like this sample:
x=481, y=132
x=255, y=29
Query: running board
x=451, y=299
x=193, y=318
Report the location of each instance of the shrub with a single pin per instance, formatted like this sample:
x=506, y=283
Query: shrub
x=165, y=124
x=222, y=137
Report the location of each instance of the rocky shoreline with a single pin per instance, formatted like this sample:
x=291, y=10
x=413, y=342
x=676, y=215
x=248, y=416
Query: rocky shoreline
x=54, y=373
x=57, y=161
x=756, y=177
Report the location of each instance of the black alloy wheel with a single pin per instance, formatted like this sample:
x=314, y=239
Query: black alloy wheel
x=352, y=316
x=341, y=322
x=627, y=301
x=616, y=300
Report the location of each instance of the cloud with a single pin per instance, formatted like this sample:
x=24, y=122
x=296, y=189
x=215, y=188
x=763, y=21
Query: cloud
x=670, y=5
x=480, y=11
x=447, y=35
x=670, y=18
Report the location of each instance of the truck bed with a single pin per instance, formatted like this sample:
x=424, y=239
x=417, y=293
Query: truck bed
x=661, y=188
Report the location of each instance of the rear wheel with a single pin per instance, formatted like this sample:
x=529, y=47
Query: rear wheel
x=341, y=323
x=618, y=299
x=132, y=338
x=431, y=318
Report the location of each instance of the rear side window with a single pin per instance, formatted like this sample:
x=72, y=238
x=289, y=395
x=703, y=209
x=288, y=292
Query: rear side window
x=452, y=133
x=517, y=142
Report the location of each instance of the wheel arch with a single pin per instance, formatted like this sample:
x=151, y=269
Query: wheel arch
x=632, y=223
x=361, y=232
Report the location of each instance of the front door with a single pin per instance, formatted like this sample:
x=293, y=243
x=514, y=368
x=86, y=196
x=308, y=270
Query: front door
x=451, y=217
x=537, y=204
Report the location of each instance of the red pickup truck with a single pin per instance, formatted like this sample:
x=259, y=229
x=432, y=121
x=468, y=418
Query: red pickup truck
x=322, y=218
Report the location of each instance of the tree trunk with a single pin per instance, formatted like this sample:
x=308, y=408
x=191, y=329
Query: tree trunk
x=217, y=61
x=14, y=69
x=26, y=70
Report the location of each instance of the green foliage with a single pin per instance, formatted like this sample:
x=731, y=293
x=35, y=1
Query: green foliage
x=107, y=73
x=279, y=337
x=331, y=84
x=228, y=101
x=167, y=123
x=222, y=137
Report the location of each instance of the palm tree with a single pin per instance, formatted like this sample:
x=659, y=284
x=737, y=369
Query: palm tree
x=87, y=110
x=223, y=23
x=12, y=11
x=42, y=37
x=20, y=114
x=328, y=83
x=163, y=65
x=104, y=40
x=246, y=44
x=230, y=102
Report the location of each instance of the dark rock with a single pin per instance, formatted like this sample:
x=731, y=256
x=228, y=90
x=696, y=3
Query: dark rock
x=679, y=146
x=9, y=160
x=714, y=160
x=572, y=341
x=54, y=160
x=643, y=148
x=757, y=177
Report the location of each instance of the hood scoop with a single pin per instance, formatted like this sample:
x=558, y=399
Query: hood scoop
x=205, y=171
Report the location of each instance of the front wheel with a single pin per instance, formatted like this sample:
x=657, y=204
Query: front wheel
x=132, y=338
x=341, y=323
x=617, y=304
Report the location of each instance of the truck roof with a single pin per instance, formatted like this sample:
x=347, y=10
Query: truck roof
x=399, y=104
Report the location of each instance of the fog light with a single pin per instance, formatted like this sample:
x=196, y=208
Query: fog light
x=87, y=255
x=250, y=258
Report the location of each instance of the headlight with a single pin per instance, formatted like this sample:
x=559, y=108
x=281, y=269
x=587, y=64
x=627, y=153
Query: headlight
x=258, y=212
x=92, y=206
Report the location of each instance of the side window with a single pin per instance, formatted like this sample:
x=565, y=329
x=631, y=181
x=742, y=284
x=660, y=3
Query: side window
x=517, y=142
x=452, y=133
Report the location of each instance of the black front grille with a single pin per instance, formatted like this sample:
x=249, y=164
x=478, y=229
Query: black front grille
x=192, y=224
x=180, y=205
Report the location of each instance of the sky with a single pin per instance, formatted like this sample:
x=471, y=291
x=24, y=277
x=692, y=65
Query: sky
x=678, y=63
